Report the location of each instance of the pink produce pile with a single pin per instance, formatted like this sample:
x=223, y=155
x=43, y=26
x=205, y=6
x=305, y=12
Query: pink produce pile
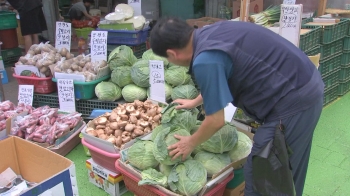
x=45, y=125
x=8, y=109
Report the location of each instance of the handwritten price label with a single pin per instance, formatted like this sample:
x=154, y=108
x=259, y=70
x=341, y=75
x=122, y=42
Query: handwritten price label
x=25, y=94
x=156, y=79
x=290, y=22
x=99, y=45
x=63, y=35
x=289, y=2
x=66, y=94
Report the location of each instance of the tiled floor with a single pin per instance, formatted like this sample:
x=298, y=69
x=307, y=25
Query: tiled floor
x=328, y=173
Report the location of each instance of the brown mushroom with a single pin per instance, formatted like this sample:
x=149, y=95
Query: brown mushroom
x=147, y=130
x=129, y=127
x=121, y=111
x=133, y=135
x=113, y=125
x=118, y=141
x=118, y=132
x=136, y=113
x=151, y=112
x=159, y=110
x=100, y=127
x=89, y=129
x=102, y=120
x=100, y=132
x=144, y=124
x=154, y=125
x=138, y=132
x=139, y=127
x=92, y=133
x=122, y=124
x=130, y=108
x=102, y=136
x=111, y=139
x=109, y=131
x=138, y=103
x=156, y=118
x=124, y=117
x=133, y=119
x=144, y=117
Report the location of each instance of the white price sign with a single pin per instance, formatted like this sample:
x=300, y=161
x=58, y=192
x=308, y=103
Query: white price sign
x=290, y=22
x=25, y=94
x=63, y=35
x=99, y=45
x=289, y=2
x=65, y=88
x=156, y=80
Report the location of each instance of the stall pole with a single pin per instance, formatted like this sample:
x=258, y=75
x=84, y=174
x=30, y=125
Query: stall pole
x=321, y=7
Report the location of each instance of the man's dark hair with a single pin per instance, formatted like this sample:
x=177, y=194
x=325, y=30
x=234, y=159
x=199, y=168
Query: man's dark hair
x=89, y=1
x=170, y=33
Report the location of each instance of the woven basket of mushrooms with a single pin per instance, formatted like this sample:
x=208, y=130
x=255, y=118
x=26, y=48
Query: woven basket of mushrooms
x=126, y=122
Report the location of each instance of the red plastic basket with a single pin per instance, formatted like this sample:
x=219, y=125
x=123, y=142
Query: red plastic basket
x=41, y=85
x=131, y=183
x=104, y=159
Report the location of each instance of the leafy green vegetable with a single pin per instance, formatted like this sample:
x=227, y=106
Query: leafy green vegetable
x=184, y=92
x=149, y=55
x=153, y=177
x=140, y=73
x=196, y=127
x=177, y=75
x=213, y=162
x=242, y=148
x=165, y=169
x=121, y=56
x=187, y=178
x=223, y=140
x=131, y=92
x=164, y=139
x=121, y=76
x=183, y=118
x=140, y=155
x=108, y=91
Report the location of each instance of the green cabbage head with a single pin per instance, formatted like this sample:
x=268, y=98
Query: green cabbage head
x=213, y=162
x=183, y=118
x=223, y=140
x=151, y=176
x=168, y=91
x=140, y=155
x=184, y=92
x=108, y=91
x=121, y=76
x=131, y=92
x=121, y=56
x=187, y=178
x=196, y=127
x=149, y=55
x=176, y=76
x=164, y=139
x=242, y=148
x=157, y=130
x=165, y=169
x=140, y=73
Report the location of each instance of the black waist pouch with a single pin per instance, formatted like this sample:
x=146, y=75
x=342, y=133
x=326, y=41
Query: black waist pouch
x=272, y=173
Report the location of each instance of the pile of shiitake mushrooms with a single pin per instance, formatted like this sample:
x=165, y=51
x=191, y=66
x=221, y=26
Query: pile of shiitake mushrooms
x=126, y=122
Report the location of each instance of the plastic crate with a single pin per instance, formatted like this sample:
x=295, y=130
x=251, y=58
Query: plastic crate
x=329, y=50
x=8, y=20
x=104, y=159
x=330, y=95
x=344, y=73
x=331, y=80
x=4, y=77
x=41, y=85
x=345, y=59
x=237, y=180
x=138, y=50
x=313, y=51
x=85, y=90
x=344, y=87
x=310, y=39
x=131, y=183
x=346, y=43
x=11, y=56
x=45, y=99
x=124, y=37
x=330, y=65
x=83, y=32
x=330, y=33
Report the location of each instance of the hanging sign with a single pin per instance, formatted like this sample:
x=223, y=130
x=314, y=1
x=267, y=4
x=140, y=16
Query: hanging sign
x=25, y=94
x=65, y=88
x=289, y=2
x=63, y=35
x=156, y=80
x=290, y=22
x=229, y=111
x=98, y=45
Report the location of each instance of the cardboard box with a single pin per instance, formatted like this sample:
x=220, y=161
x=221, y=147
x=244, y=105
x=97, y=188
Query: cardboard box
x=255, y=6
x=54, y=174
x=238, y=191
x=110, y=182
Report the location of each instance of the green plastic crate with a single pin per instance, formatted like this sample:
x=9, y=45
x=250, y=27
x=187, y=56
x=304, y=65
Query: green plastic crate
x=331, y=79
x=11, y=56
x=330, y=33
x=345, y=59
x=330, y=65
x=346, y=43
x=83, y=32
x=313, y=51
x=329, y=50
x=8, y=20
x=330, y=95
x=344, y=73
x=237, y=180
x=310, y=39
x=344, y=87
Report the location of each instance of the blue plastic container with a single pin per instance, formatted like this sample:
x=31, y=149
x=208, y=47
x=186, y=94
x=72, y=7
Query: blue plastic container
x=126, y=37
x=4, y=78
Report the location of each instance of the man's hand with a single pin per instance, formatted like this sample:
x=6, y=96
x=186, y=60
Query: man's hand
x=189, y=103
x=183, y=147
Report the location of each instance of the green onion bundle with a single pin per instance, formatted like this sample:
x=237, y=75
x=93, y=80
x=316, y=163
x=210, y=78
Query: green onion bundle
x=268, y=17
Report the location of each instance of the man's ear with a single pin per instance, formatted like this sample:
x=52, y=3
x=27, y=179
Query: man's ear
x=171, y=53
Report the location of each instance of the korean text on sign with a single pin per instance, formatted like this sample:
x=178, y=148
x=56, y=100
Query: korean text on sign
x=156, y=80
x=66, y=94
x=25, y=94
x=98, y=45
x=63, y=35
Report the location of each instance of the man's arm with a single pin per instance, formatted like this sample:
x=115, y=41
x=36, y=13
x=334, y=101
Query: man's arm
x=87, y=15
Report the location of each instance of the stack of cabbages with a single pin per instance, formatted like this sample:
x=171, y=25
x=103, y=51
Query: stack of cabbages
x=131, y=76
x=188, y=177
